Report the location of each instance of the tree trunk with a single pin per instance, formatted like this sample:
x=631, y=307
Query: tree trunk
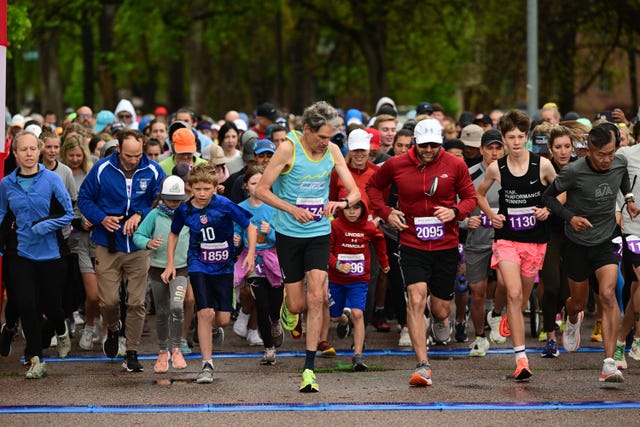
x=50, y=77
x=106, y=78
x=88, y=74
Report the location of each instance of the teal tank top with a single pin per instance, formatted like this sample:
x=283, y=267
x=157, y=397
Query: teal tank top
x=305, y=184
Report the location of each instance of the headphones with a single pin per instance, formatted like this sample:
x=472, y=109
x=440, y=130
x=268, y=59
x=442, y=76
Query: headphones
x=612, y=128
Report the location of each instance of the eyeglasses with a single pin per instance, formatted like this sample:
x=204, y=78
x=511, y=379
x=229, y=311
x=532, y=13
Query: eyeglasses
x=85, y=116
x=432, y=145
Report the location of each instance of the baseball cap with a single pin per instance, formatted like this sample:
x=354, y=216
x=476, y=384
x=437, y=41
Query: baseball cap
x=428, y=130
x=248, y=140
x=240, y=124
x=217, y=155
x=353, y=116
x=424, y=108
x=103, y=119
x=359, y=139
x=267, y=110
x=184, y=141
x=482, y=118
x=264, y=145
x=374, y=143
x=160, y=111
x=471, y=135
x=491, y=136
x=173, y=188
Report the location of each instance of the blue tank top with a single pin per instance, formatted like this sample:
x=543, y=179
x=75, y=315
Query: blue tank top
x=304, y=184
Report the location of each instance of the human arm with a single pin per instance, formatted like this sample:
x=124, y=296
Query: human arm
x=60, y=209
x=343, y=172
x=376, y=186
x=380, y=247
x=491, y=175
x=143, y=236
x=252, y=237
x=169, y=272
x=550, y=200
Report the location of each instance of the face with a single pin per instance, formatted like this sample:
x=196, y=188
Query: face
x=624, y=139
x=319, y=141
x=263, y=159
x=85, y=117
x=471, y=152
x=27, y=153
x=125, y=118
x=387, y=133
x=252, y=184
x=51, y=150
x=438, y=115
x=130, y=153
x=50, y=119
x=359, y=158
x=172, y=204
x=456, y=152
x=184, y=117
x=353, y=213
x=98, y=148
x=402, y=145
x=153, y=152
x=159, y=131
x=515, y=140
x=74, y=158
x=279, y=137
x=602, y=157
x=549, y=116
x=202, y=193
x=495, y=117
x=183, y=158
x=491, y=152
x=561, y=150
x=428, y=151
x=230, y=140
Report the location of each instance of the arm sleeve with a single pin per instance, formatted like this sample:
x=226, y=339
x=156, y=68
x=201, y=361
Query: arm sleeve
x=87, y=196
x=144, y=233
x=61, y=195
x=466, y=193
x=375, y=188
x=380, y=246
x=549, y=199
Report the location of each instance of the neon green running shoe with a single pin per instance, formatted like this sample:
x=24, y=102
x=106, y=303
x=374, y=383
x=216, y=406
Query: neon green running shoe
x=288, y=319
x=309, y=384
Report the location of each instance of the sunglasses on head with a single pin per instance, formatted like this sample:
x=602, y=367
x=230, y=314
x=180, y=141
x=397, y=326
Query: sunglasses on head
x=429, y=144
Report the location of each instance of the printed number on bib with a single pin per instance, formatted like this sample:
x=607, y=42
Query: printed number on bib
x=429, y=228
x=214, y=253
x=314, y=205
x=521, y=218
x=485, y=221
x=356, y=261
x=633, y=243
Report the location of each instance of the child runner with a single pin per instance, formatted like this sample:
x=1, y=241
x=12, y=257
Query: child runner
x=349, y=267
x=210, y=219
x=169, y=299
x=266, y=280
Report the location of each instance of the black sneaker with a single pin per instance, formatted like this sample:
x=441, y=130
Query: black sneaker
x=110, y=345
x=461, y=332
x=131, y=363
x=344, y=329
x=5, y=340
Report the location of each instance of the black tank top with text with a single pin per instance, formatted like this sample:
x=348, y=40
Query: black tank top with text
x=518, y=195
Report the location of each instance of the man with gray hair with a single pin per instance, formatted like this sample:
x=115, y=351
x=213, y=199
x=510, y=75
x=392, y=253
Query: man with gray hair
x=296, y=183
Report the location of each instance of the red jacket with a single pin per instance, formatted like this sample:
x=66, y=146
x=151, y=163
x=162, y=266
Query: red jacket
x=414, y=180
x=360, y=176
x=350, y=240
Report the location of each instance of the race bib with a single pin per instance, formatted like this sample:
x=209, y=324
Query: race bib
x=313, y=205
x=618, y=242
x=521, y=218
x=633, y=244
x=356, y=261
x=214, y=253
x=429, y=228
x=485, y=221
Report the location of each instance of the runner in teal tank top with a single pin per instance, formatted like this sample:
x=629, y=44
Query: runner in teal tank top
x=296, y=183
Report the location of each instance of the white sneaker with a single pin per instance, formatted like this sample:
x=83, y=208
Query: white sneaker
x=634, y=353
x=122, y=347
x=54, y=341
x=253, y=337
x=479, y=347
x=405, y=339
x=240, y=325
x=97, y=323
x=86, y=340
x=64, y=343
x=571, y=334
x=610, y=372
x=494, y=324
x=77, y=318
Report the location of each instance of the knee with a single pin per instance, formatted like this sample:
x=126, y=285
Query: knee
x=608, y=297
x=205, y=315
x=356, y=315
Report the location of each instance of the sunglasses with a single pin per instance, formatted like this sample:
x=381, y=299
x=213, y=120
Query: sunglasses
x=434, y=187
x=85, y=116
x=432, y=145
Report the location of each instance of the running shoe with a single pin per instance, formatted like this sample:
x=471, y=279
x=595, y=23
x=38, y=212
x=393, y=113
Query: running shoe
x=37, y=370
x=405, y=339
x=269, y=357
x=479, y=347
x=618, y=356
x=542, y=336
x=379, y=321
x=296, y=332
x=240, y=325
x=325, y=349
x=571, y=334
x=86, y=339
x=550, y=349
x=253, y=338
x=634, y=353
x=441, y=331
x=358, y=363
x=131, y=363
x=343, y=330
x=289, y=320
x=309, y=383
x=162, y=362
x=177, y=359
x=6, y=336
x=64, y=343
x=504, y=329
x=184, y=346
x=522, y=373
x=110, y=345
x=122, y=346
x=277, y=334
x=206, y=374
x=217, y=338
x=461, y=332
x=610, y=373
x=422, y=375
x=494, y=326
x=596, y=334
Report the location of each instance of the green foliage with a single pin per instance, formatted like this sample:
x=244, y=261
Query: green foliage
x=18, y=25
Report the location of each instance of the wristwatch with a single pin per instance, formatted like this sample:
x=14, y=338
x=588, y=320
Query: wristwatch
x=455, y=211
x=346, y=201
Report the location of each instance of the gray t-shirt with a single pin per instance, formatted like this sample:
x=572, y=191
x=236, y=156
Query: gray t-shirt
x=592, y=194
x=481, y=238
x=632, y=154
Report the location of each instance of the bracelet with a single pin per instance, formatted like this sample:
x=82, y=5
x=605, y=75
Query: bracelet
x=346, y=200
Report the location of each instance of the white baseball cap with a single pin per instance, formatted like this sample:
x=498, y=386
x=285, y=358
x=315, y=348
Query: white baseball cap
x=359, y=139
x=428, y=130
x=173, y=188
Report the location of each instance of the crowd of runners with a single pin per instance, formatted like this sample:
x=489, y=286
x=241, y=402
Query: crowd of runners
x=285, y=225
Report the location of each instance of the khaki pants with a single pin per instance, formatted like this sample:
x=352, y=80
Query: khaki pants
x=112, y=269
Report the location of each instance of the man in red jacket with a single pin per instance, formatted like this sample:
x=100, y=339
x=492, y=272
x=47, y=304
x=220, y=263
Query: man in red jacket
x=435, y=191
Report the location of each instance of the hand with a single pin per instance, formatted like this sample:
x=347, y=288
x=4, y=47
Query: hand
x=376, y=221
x=249, y=262
x=344, y=267
x=154, y=244
x=111, y=223
x=236, y=240
x=220, y=189
x=168, y=274
x=579, y=223
x=302, y=215
x=632, y=209
x=265, y=227
x=498, y=221
x=395, y=222
x=131, y=225
x=474, y=222
x=332, y=207
x=87, y=225
x=444, y=214
x=386, y=269
x=618, y=116
x=541, y=214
